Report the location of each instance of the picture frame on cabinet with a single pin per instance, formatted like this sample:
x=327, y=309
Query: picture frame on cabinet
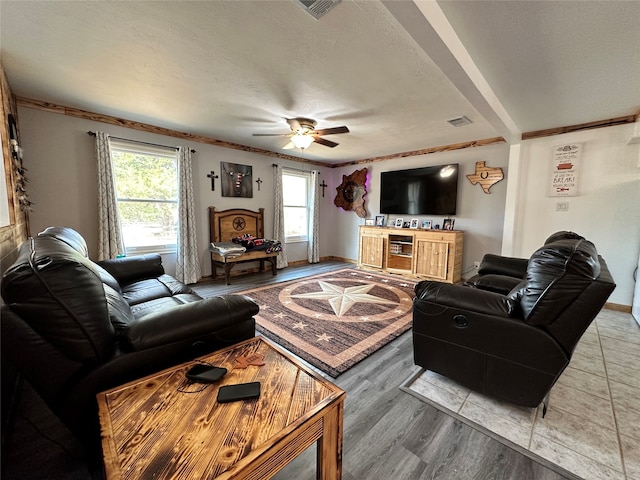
x=414, y=223
x=447, y=224
x=379, y=220
x=369, y=222
x=426, y=224
x=399, y=222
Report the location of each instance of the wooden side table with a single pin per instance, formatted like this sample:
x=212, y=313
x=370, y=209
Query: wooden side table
x=151, y=429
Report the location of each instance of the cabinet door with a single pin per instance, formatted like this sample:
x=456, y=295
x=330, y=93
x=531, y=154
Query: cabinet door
x=371, y=250
x=432, y=259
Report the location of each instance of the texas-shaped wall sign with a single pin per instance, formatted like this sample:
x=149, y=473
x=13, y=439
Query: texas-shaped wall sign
x=487, y=177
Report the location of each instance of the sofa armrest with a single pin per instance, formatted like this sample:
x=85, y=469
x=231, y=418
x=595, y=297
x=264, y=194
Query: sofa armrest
x=190, y=321
x=499, y=265
x=464, y=298
x=137, y=267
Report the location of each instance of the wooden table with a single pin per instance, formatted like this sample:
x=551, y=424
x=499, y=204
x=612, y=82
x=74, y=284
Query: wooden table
x=152, y=430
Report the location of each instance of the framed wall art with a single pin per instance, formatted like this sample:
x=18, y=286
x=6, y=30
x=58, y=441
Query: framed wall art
x=236, y=180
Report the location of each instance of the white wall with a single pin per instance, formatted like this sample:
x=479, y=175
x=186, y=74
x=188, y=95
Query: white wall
x=606, y=210
x=59, y=157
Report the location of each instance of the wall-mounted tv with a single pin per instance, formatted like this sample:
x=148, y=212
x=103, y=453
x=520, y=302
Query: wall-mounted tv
x=420, y=191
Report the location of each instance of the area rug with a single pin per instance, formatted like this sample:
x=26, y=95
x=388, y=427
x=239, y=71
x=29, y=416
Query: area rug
x=336, y=319
x=590, y=430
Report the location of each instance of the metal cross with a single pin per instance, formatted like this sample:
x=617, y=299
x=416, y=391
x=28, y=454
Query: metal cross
x=213, y=177
x=323, y=185
x=258, y=181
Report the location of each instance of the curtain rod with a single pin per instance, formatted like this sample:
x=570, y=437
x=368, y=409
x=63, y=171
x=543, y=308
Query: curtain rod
x=296, y=169
x=93, y=134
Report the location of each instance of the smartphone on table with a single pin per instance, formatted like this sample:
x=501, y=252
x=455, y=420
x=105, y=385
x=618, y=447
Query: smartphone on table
x=201, y=373
x=241, y=391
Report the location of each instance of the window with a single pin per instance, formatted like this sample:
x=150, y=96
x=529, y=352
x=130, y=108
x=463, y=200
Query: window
x=146, y=179
x=295, y=193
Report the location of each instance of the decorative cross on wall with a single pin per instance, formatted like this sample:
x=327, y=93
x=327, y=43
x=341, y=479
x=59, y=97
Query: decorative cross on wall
x=258, y=181
x=213, y=177
x=323, y=185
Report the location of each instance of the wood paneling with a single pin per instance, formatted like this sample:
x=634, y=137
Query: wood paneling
x=11, y=236
x=583, y=126
x=146, y=127
x=426, y=151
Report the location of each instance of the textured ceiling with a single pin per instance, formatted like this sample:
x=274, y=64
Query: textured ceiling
x=394, y=72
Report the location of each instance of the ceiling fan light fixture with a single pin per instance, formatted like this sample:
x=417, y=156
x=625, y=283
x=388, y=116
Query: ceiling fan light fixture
x=302, y=141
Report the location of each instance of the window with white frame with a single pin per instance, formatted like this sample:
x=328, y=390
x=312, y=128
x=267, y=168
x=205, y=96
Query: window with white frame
x=295, y=193
x=146, y=180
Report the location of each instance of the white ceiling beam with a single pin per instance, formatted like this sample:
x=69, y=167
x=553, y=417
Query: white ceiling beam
x=429, y=27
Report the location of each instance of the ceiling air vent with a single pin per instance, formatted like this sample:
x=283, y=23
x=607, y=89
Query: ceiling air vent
x=460, y=121
x=318, y=8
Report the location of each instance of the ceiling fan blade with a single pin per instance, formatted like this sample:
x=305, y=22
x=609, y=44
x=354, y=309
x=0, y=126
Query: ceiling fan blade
x=331, y=131
x=294, y=123
x=324, y=141
x=271, y=134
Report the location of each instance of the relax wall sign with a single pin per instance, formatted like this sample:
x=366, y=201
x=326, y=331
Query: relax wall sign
x=564, y=172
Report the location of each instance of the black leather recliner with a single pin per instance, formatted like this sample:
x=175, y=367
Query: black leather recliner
x=75, y=328
x=501, y=274
x=513, y=346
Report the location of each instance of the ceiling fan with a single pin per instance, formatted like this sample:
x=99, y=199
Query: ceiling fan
x=304, y=133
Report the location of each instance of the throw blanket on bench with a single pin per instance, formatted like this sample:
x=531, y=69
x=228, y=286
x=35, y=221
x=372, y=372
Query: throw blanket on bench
x=227, y=249
x=250, y=242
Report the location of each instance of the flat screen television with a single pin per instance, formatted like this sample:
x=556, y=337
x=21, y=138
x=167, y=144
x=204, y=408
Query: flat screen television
x=420, y=191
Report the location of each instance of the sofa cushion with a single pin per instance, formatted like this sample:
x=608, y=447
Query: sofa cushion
x=562, y=235
x=55, y=289
x=557, y=274
x=499, y=265
x=496, y=283
x=153, y=288
x=162, y=303
x=130, y=269
x=107, y=278
x=68, y=236
x=119, y=311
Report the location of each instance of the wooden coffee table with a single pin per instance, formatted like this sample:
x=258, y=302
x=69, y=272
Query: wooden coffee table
x=150, y=429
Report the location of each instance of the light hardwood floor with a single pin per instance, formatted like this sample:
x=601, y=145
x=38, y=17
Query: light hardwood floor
x=388, y=434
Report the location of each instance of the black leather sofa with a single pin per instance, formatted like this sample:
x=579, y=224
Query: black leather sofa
x=74, y=328
x=513, y=346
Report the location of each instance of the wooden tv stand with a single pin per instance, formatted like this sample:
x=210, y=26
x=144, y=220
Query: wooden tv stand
x=418, y=253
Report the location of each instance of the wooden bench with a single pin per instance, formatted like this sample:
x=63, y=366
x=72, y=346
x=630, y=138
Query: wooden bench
x=225, y=225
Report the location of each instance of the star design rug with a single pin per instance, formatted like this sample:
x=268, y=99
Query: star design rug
x=336, y=319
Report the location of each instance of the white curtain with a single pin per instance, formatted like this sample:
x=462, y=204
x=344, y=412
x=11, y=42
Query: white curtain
x=187, y=265
x=313, y=250
x=110, y=241
x=278, y=217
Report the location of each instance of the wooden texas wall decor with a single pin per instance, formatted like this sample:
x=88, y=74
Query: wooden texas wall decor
x=487, y=177
x=351, y=192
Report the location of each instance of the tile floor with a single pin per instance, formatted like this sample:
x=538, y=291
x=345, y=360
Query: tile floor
x=592, y=425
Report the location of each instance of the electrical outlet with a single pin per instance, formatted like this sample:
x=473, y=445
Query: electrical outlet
x=476, y=265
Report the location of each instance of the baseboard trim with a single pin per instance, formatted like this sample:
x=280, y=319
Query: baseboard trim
x=617, y=307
